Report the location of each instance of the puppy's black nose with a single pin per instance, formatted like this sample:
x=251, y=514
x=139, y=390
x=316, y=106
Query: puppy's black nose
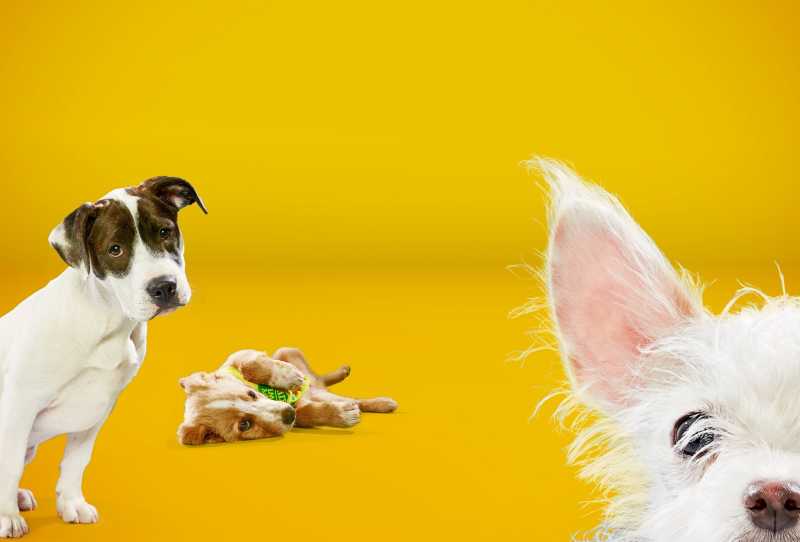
x=773, y=506
x=287, y=416
x=162, y=291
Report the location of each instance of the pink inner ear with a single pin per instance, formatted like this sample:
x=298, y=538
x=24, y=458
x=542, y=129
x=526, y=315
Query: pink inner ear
x=606, y=310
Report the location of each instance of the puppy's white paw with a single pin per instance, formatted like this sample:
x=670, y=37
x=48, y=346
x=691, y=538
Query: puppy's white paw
x=76, y=510
x=347, y=414
x=12, y=526
x=287, y=377
x=25, y=500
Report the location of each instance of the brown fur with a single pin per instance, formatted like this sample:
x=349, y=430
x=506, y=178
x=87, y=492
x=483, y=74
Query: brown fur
x=93, y=228
x=220, y=408
x=90, y=230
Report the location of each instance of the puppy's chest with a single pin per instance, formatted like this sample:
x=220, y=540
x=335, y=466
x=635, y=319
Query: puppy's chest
x=82, y=402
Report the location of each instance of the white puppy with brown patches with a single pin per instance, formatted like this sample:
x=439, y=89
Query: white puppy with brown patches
x=68, y=350
x=696, y=432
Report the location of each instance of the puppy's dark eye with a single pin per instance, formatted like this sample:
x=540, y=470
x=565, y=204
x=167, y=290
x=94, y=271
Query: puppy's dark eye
x=693, y=442
x=252, y=395
x=165, y=233
x=244, y=425
x=115, y=251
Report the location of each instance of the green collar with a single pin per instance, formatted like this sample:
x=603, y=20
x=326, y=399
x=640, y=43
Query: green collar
x=284, y=396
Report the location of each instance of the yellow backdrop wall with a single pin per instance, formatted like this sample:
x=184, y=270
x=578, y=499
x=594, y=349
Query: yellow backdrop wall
x=360, y=161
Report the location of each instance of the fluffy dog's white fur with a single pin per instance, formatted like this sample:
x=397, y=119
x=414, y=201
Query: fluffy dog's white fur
x=640, y=352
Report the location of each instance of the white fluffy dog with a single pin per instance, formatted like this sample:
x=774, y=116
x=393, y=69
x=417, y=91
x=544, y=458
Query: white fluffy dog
x=693, y=419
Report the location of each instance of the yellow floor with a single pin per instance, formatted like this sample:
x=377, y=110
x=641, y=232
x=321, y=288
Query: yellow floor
x=459, y=461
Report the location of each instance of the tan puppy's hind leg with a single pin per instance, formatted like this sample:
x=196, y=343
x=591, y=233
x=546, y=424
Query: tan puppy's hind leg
x=295, y=357
x=334, y=377
x=332, y=414
x=382, y=405
x=298, y=359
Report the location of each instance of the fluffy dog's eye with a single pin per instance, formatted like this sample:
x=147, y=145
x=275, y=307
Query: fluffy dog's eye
x=244, y=425
x=252, y=395
x=164, y=233
x=698, y=442
x=115, y=251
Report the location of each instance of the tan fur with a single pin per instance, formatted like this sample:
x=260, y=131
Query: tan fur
x=217, y=404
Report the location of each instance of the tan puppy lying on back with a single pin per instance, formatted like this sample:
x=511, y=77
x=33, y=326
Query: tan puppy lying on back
x=227, y=406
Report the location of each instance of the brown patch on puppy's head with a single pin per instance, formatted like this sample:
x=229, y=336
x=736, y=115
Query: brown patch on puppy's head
x=159, y=200
x=174, y=192
x=130, y=241
x=220, y=408
x=97, y=237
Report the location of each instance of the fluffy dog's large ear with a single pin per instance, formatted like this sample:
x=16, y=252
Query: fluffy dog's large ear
x=173, y=191
x=611, y=290
x=197, y=434
x=70, y=238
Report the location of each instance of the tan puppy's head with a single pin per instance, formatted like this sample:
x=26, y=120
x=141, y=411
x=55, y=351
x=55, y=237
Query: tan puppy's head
x=220, y=408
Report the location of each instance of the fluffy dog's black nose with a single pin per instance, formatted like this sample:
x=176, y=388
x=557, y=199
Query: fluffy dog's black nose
x=287, y=416
x=773, y=506
x=162, y=291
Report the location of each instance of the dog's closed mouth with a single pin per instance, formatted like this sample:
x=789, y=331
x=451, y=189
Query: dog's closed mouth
x=167, y=310
x=111, y=247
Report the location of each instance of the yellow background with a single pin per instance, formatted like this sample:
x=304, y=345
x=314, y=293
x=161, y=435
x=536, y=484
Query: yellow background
x=361, y=164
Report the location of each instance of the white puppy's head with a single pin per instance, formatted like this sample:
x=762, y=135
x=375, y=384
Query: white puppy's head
x=697, y=416
x=129, y=241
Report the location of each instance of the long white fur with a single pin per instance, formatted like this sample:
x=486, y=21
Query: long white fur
x=741, y=367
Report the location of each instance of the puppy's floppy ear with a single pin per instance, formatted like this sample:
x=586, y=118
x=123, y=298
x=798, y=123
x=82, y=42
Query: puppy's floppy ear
x=173, y=191
x=611, y=290
x=197, y=434
x=70, y=238
x=193, y=382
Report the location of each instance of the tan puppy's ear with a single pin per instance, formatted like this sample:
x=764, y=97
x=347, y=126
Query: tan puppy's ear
x=193, y=382
x=197, y=434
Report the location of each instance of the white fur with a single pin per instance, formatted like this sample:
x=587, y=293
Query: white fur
x=672, y=358
x=263, y=408
x=130, y=290
x=66, y=352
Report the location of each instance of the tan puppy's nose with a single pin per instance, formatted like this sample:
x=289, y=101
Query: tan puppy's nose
x=287, y=416
x=773, y=506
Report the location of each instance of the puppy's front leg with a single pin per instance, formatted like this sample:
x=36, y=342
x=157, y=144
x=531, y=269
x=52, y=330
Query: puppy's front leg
x=70, y=503
x=17, y=414
x=25, y=499
x=139, y=339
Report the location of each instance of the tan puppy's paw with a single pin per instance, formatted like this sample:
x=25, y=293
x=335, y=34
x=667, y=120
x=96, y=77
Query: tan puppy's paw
x=346, y=414
x=378, y=404
x=25, y=500
x=286, y=376
x=12, y=526
x=76, y=510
